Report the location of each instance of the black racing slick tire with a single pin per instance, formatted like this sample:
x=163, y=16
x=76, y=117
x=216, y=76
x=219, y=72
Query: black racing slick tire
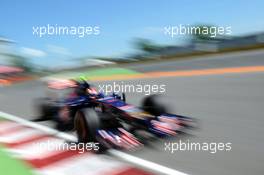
x=151, y=105
x=45, y=109
x=86, y=123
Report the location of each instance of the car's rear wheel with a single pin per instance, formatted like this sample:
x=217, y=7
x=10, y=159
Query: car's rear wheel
x=65, y=118
x=45, y=108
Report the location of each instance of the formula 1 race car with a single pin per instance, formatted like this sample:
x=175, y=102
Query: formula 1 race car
x=113, y=122
x=110, y=120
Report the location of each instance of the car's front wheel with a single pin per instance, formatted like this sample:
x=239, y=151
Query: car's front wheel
x=152, y=105
x=86, y=123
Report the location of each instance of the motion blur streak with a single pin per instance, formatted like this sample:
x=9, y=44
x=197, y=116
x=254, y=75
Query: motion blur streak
x=185, y=73
x=207, y=72
x=132, y=159
x=145, y=163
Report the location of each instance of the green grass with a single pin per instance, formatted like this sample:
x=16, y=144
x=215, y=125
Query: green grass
x=102, y=72
x=11, y=166
x=109, y=72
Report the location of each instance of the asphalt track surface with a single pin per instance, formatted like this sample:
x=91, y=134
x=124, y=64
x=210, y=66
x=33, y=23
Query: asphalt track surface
x=229, y=108
x=246, y=58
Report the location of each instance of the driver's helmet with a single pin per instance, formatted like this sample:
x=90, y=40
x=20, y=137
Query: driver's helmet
x=82, y=83
x=81, y=86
